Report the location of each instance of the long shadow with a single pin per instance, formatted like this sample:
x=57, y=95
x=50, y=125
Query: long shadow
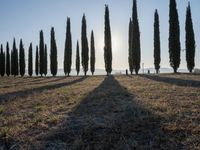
x=173, y=81
x=108, y=118
x=34, y=81
x=24, y=93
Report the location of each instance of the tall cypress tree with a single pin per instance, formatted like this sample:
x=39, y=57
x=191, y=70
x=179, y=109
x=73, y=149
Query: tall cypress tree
x=156, y=42
x=2, y=61
x=41, y=46
x=85, y=48
x=21, y=58
x=107, y=42
x=136, y=39
x=12, y=62
x=68, y=49
x=190, y=40
x=53, y=55
x=174, y=37
x=77, y=59
x=37, y=65
x=15, y=61
x=130, y=50
x=45, y=60
x=92, y=54
x=30, y=60
x=7, y=59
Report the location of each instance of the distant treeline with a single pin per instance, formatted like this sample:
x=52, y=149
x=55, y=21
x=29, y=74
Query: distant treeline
x=14, y=63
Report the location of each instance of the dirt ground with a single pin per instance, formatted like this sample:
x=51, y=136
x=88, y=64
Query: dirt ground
x=115, y=112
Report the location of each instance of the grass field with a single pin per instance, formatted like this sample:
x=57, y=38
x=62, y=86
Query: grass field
x=116, y=112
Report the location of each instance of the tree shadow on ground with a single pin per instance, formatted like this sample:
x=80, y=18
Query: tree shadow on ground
x=23, y=93
x=33, y=81
x=109, y=118
x=173, y=81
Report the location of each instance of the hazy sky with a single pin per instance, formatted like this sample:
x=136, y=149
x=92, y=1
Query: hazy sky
x=25, y=18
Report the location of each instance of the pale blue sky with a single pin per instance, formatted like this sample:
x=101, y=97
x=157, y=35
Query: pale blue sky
x=25, y=18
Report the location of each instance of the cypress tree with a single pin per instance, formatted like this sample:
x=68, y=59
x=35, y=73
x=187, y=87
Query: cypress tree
x=136, y=39
x=174, y=37
x=156, y=42
x=37, y=61
x=190, y=40
x=30, y=60
x=53, y=55
x=7, y=59
x=12, y=62
x=15, y=60
x=41, y=46
x=45, y=60
x=21, y=58
x=92, y=55
x=85, y=48
x=68, y=49
x=77, y=59
x=107, y=42
x=130, y=57
x=2, y=61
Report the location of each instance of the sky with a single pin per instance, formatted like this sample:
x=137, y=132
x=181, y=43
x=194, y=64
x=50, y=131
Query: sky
x=25, y=18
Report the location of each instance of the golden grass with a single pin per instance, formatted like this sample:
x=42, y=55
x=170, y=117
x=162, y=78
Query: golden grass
x=121, y=112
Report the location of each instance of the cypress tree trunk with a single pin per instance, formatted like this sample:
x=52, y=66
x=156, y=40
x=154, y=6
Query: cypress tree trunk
x=37, y=61
x=156, y=42
x=77, y=59
x=21, y=59
x=92, y=55
x=136, y=39
x=30, y=60
x=7, y=59
x=130, y=50
x=41, y=46
x=85, y=48
x=53, y=55
x=190, y=40
x=174, y=37
x=68, y=49
x=45, y=60
x=107, y=42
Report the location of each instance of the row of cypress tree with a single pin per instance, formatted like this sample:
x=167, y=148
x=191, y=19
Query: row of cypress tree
x=174, y=39
x=14, y=66
x=41, y=53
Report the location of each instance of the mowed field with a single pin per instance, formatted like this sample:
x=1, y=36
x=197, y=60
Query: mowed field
x=115, y=112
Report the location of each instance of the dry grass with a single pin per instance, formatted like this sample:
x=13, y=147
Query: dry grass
x=121, y=112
